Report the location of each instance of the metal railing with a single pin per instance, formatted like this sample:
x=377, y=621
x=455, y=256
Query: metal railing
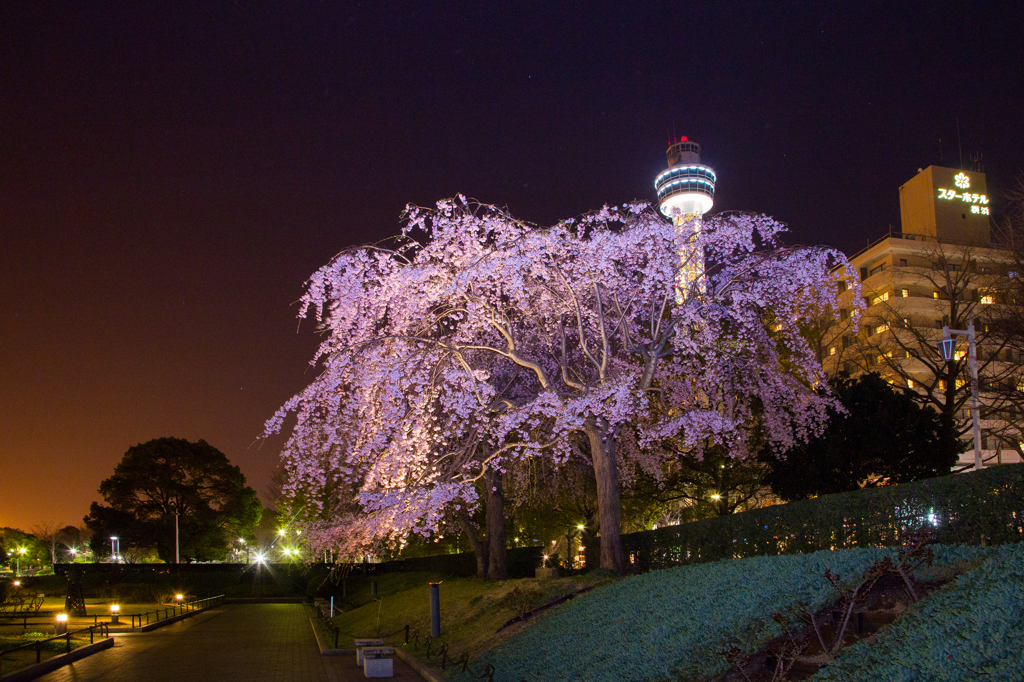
x=172, y=611
x=104, y=630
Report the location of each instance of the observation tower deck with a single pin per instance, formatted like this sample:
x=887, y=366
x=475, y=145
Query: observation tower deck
x=686, y=187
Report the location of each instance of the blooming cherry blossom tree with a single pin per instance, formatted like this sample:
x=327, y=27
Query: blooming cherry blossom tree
x=479, y=340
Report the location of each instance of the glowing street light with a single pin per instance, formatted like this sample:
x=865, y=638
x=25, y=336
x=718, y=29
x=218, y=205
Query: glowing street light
x=115, y=549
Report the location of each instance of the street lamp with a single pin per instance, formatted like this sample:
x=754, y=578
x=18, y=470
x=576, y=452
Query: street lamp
x=115, y=549
x=947, y=351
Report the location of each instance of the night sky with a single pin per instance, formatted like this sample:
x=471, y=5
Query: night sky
x=171, y=174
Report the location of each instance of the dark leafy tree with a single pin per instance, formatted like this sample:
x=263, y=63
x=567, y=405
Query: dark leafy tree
x=885, y=437
x=165, y=476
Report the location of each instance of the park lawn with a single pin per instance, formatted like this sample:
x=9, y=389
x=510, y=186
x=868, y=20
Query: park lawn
x=472, y=610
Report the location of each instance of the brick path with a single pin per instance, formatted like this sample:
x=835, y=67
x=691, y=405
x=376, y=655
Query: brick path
x=237, y=642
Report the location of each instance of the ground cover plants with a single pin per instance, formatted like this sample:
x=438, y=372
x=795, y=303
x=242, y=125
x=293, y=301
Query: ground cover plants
x=674, y=624
x=969, y=630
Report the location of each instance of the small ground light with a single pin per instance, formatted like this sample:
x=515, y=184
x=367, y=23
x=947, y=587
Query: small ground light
x=179, y=597
x=62, y=623
x=115, y=611
x=580, y=527
x=17, y=583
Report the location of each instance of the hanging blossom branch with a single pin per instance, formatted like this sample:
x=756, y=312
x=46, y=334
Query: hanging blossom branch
x=452, y=353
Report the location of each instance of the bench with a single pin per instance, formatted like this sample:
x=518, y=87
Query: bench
x=361, y=644
x=377, y=661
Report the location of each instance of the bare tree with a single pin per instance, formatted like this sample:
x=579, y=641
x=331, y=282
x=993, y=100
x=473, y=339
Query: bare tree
x=945, y=285
x=50, y=535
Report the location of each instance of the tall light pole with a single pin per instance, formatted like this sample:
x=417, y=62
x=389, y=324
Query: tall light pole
x=177, y=548
x=947, y=351
x=115, y=549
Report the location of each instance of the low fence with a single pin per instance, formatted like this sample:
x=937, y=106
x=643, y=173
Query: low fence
x=39, y=644
x=172, y=611
x=982, y=507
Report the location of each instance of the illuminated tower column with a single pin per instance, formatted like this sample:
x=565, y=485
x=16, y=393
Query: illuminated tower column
x=686, y=191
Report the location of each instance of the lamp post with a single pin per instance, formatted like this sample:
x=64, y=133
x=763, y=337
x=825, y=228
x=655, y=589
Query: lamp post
x=947, y=351
x=177, y=547
x=115, y=549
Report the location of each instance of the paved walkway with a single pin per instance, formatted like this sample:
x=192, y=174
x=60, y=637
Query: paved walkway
x=237, y=642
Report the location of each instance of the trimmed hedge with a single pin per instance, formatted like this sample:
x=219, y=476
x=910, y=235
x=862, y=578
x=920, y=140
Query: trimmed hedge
x=983, y=507
x=521, y=563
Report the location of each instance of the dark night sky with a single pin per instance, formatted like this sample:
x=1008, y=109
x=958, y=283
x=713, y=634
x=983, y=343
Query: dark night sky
x=170, y=175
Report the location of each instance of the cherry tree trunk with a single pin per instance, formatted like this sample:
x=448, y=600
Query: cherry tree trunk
x=497, y=567
x=479, y=548
x=606, y=472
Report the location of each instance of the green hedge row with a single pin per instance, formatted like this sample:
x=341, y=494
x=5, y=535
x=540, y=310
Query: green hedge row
x=983, y=507
x=521, y=563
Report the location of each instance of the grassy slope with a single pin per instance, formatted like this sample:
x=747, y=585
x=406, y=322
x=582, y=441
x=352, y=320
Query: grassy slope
x=970, y=630
x=472, y=610
x=671, y=624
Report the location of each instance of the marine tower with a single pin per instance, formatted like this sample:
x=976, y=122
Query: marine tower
x=686, y=191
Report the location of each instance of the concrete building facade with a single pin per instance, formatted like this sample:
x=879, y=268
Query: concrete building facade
x=941, y=270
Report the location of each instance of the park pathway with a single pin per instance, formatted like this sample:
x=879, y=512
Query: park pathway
x=236, y=642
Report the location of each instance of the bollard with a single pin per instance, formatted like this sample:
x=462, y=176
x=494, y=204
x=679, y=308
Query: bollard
x=373, y=589
x=435, y=609
x=62, y=624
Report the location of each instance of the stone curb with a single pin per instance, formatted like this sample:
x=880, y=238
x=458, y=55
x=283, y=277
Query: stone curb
x=424, y=670
x=51, y=664
x=321, y=637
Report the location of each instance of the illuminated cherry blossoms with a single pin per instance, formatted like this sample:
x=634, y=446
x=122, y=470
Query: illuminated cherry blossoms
x=480, y=340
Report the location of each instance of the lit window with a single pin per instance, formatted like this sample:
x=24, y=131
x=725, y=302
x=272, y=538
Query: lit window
x=986, y=299
x=905, y=293
x=881, y=328
x=881, y=297
x=906, y=322
x=910, y=383
x=959, y=355
x=935, y=294
x=832, y=350
x=960, y=383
